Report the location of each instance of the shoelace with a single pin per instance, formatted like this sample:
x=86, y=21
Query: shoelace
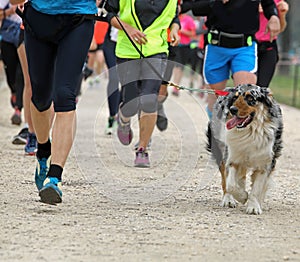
x=143, y=153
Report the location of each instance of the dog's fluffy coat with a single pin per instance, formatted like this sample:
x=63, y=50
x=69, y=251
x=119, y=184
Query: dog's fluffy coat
x=244, y=136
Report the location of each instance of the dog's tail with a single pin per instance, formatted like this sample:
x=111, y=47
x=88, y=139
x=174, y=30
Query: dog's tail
x=213, y=145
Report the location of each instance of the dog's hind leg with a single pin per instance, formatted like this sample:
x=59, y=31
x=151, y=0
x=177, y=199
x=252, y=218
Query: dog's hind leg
x=236, y=181
x=259, y=186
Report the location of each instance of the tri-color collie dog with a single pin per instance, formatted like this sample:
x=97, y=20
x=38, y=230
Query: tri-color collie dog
x=244, y=136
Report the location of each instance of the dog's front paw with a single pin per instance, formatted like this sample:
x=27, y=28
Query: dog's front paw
x=239, y=194
x=253, y=207
x=228, y=201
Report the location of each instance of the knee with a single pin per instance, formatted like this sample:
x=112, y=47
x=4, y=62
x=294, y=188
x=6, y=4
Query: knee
x=64, y=101
x=130, y=108
x=149, y=103
x=41, y=104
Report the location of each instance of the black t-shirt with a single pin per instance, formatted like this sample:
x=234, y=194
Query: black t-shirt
x=236, y=16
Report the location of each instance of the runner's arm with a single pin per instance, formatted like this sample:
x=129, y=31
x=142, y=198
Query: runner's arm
x=198, y=7
x=16, y=2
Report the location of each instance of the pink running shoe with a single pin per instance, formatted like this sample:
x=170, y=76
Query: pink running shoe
x=124, y=132
x=142, y=158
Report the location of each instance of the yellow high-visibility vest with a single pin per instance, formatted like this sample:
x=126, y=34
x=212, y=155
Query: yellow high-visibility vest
x=156, y=33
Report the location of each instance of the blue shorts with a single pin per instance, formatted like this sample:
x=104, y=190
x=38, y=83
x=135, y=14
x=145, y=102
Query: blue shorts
x=220, y=61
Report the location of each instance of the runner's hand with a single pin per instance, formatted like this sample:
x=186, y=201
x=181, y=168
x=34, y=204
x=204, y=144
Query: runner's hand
x=273, y=27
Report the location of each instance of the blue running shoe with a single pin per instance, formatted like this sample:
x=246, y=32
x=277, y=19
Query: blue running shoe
x=31, y=145
x=41, y=171
x=51, y=191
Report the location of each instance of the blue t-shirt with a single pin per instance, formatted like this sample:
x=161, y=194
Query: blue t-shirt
x=54, y=7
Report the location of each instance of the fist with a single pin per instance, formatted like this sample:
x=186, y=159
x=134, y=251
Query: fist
x=283, y=7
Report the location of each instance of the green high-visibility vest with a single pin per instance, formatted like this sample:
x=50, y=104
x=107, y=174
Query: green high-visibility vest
x=156, y=33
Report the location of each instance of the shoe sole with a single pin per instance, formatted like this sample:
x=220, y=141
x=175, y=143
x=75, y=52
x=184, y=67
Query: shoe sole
x=50, y=196
x=142, y=165
x=30, y=153
x=19, y=141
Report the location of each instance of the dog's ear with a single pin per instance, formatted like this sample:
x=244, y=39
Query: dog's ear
x=267, y=91
x=264, y=94
x=268, y=99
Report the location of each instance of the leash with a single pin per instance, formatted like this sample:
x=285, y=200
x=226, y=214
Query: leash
x=207, y=91
x=99, y=17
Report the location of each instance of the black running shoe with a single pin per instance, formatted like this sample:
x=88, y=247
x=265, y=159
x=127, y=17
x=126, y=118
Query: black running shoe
x=162, y=120
x=21, y=138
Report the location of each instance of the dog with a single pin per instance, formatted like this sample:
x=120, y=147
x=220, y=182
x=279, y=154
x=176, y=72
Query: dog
x=245, y=137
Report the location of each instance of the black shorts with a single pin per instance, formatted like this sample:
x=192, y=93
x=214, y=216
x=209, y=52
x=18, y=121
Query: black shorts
x=56, y=47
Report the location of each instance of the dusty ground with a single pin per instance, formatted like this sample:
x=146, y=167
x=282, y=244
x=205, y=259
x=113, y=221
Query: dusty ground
x=112, y=211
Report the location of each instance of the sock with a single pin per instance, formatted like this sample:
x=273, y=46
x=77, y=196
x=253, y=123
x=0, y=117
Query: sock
x=44, y=150
x=55, y=171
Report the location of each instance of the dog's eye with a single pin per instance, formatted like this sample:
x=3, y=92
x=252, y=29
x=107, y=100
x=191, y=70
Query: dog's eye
x=250, y=100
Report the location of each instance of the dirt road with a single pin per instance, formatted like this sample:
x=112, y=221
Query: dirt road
x=112, y=211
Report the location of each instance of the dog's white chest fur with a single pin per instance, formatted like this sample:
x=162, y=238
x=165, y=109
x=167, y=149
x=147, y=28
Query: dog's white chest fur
x=251, y=146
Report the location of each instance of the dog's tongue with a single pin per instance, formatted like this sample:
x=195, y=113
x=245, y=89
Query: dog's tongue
x=233, y=122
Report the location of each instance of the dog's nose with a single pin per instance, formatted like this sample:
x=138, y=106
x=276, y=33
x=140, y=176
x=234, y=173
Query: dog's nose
x=233, y=110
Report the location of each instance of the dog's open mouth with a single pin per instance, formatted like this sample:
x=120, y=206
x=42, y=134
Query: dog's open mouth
x=238, y=122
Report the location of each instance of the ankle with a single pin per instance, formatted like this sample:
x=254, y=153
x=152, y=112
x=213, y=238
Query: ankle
x=124, y=122
x=55, y=171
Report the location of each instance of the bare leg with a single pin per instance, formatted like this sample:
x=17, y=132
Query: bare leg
x=163, y=93
x=42, y=122
x=63, y=133
x=100, y=62
x=244, y=77
x=147, y=123
x=211, y=99
x=27, y=93
x=177, y=76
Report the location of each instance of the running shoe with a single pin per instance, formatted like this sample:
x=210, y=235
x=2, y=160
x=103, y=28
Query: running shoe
x=16, y=118
x=41, y=171
x=124, y=132
x=141, y=158
x=111, y=126
x=162, y=120
x=21, y=137
x=175, y=91
x=31, y=145
x=51, y=191
x=87, y=72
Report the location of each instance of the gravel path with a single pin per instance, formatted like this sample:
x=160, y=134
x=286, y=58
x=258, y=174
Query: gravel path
x=112, y=211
